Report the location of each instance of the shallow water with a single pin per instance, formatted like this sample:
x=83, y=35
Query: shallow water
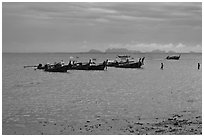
x=29, y=95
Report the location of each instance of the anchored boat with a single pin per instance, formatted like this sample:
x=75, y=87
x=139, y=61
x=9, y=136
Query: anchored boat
x=126, y=62
x=75, y=66
x=55, y=68
x=173, y=57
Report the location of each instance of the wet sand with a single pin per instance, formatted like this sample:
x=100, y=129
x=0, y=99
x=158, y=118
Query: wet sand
x=184, y=123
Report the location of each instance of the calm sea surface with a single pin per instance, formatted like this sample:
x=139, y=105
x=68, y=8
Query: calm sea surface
x=29, y=95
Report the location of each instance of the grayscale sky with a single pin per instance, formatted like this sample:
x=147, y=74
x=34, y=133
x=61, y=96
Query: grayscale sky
x=77, y=27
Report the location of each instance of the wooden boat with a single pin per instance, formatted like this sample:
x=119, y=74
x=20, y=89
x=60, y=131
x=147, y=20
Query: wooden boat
x=76, y=66
x=89, y=67
x=116, y=63
x=173, y=57
x=126, y=63
x=40, y=66
x=79, y=66
x=123, y=56
x=97, y=67
x=86, y=66
x=130, y=65
x=56, y=69
x=122, y=59
x=112, y=63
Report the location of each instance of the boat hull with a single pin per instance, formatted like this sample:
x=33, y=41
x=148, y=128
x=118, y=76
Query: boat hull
x=86, y=67
x=129, y=65
x=56, y=70
x=97, y=67
x=112, y=64
x=173, y=58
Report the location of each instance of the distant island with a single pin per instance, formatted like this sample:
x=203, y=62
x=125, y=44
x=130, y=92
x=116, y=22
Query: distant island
x=120, y=50
x=94, y=51
x=114, y=50
x=124, y=50
x=158, y=51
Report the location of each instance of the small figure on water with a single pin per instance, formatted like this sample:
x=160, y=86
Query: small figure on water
x=162, y=66
x=198, y=65
x=106, y=63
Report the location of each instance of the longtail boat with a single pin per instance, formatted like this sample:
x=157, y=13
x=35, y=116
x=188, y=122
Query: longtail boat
x=55, y=68
x=123, y=56
x=125, y=62
x=97, y=67
x=88, y=66
x=173, y=57
x=76, y=66
x=130, y=65
x=40, y=66
x=112, y=63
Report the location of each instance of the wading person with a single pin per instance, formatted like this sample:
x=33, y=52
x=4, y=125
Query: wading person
x=162, y=66
x=106, y=62
x=198, y=65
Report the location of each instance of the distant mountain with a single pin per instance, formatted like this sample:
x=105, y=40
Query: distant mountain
x=120, y=50
x=172, y=52
x=116, y=50
x=94, y=51
x=194, y=52
x=158, y=51
x=124, y=50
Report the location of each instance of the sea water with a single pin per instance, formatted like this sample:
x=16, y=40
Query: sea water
x=29, y=95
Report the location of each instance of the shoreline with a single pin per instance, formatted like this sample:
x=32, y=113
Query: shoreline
x=183, y=123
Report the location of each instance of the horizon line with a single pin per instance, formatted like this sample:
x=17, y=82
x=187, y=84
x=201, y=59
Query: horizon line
x=85, y=52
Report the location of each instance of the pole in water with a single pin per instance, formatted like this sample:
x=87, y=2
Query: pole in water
x=198, y=65
x=162, y=66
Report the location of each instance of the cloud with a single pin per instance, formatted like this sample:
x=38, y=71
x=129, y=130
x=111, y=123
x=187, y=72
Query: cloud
x=148, y=47
x=168, y=12
x=132, y=18
x=134, y=11
x=102, y=20
x=114, y=22
x=102, y=10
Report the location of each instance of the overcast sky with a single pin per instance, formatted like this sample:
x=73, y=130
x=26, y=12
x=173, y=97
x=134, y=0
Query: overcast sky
x=76, y=27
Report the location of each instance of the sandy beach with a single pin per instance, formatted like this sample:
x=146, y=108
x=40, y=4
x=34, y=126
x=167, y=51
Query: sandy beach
x=184, y=123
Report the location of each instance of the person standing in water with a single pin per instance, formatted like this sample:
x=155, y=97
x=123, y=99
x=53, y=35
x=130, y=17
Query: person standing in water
x=162, y=66
x=106, y=62
x=198, y=65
